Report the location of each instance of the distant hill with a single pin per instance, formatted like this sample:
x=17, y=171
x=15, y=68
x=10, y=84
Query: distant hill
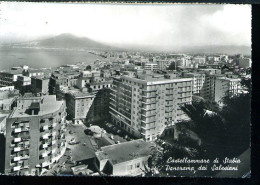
x=71, y=41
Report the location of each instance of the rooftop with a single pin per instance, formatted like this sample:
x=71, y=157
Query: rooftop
x=153, y=80
x=119, y=153
x=14, y=72
x=48, y=105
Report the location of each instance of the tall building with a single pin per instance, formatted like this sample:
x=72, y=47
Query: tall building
x=145, y=105
x=226, y=86
x=35, y=135
x=163, y=64
x=78, y=105
x=99, y=84
x=23, y=84
x=198, y=81
x=40, y=85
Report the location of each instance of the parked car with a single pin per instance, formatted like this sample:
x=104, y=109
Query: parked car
x=119, y=131
x=109, y=125
x=88, y=132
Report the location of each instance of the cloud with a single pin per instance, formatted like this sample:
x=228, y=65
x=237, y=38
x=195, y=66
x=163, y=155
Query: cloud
x=154, y=25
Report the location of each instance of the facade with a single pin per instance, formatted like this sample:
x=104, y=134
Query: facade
x=208, y=89
x=200, y=60
x=150, y=66
x=35, y=135
x=99, y=110
x=146, y=104
x=163, y=64
x=78, y=105
x=23, y=84
x=245, y=62
x=99, y=84
x=7, y=78
x=126, y=159
x=226, y=86
x=198, y=81
x=40, y=85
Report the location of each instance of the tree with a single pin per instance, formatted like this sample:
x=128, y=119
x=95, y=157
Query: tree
x=236, y=114
x=161, y=152
x=172, y=66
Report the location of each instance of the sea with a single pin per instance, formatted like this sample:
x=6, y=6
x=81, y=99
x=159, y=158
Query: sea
x=43, y=57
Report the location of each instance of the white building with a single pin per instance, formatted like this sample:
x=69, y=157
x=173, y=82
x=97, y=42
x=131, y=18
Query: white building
x=145, y=105
x=226, y=86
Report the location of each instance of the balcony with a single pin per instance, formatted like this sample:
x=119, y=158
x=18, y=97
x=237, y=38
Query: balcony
x=17, y=158
x=17, y=130
x=45, y=127
x=25, y=157
x=45, y=154
x=17, y=149
x=16, y=140
x=46, y=136
x=45, y=145
x=44, y=164
x=17, y=168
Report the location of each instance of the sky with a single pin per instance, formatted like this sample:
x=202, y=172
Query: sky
x=164, y=26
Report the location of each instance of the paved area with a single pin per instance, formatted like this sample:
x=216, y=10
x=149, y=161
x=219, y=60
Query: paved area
x=83, y=150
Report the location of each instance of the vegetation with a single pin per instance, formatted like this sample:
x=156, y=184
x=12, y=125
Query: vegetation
x=224, y=132
x=172, y=66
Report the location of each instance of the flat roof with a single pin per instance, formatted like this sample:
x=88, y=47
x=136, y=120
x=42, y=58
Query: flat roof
x=155, y=81
x=119, y=153
x=48, y=105
x=14, y=72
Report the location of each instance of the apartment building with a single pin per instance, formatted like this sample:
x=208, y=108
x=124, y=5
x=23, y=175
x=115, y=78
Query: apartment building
x=198, y=81
x=150, y=66
x=40, y=85
x=23, y=84
x=208, y=89
x=62, y=78
x=226, y=86
x=78, y=105
x=35, y=135
x=144, y=105
x=199, y=60
x=163, y=64
x=8, y=77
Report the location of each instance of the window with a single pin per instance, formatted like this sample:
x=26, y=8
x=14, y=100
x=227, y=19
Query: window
x=137, y=165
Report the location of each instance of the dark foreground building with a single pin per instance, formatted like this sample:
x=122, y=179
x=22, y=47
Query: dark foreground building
x=35, y=135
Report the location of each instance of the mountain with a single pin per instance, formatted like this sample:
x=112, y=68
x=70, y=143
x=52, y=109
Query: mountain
x=71, y=41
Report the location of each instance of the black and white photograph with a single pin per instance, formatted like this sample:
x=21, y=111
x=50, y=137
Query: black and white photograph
x=136, y=90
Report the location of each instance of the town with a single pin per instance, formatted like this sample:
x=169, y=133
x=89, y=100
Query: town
x=103, y=118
